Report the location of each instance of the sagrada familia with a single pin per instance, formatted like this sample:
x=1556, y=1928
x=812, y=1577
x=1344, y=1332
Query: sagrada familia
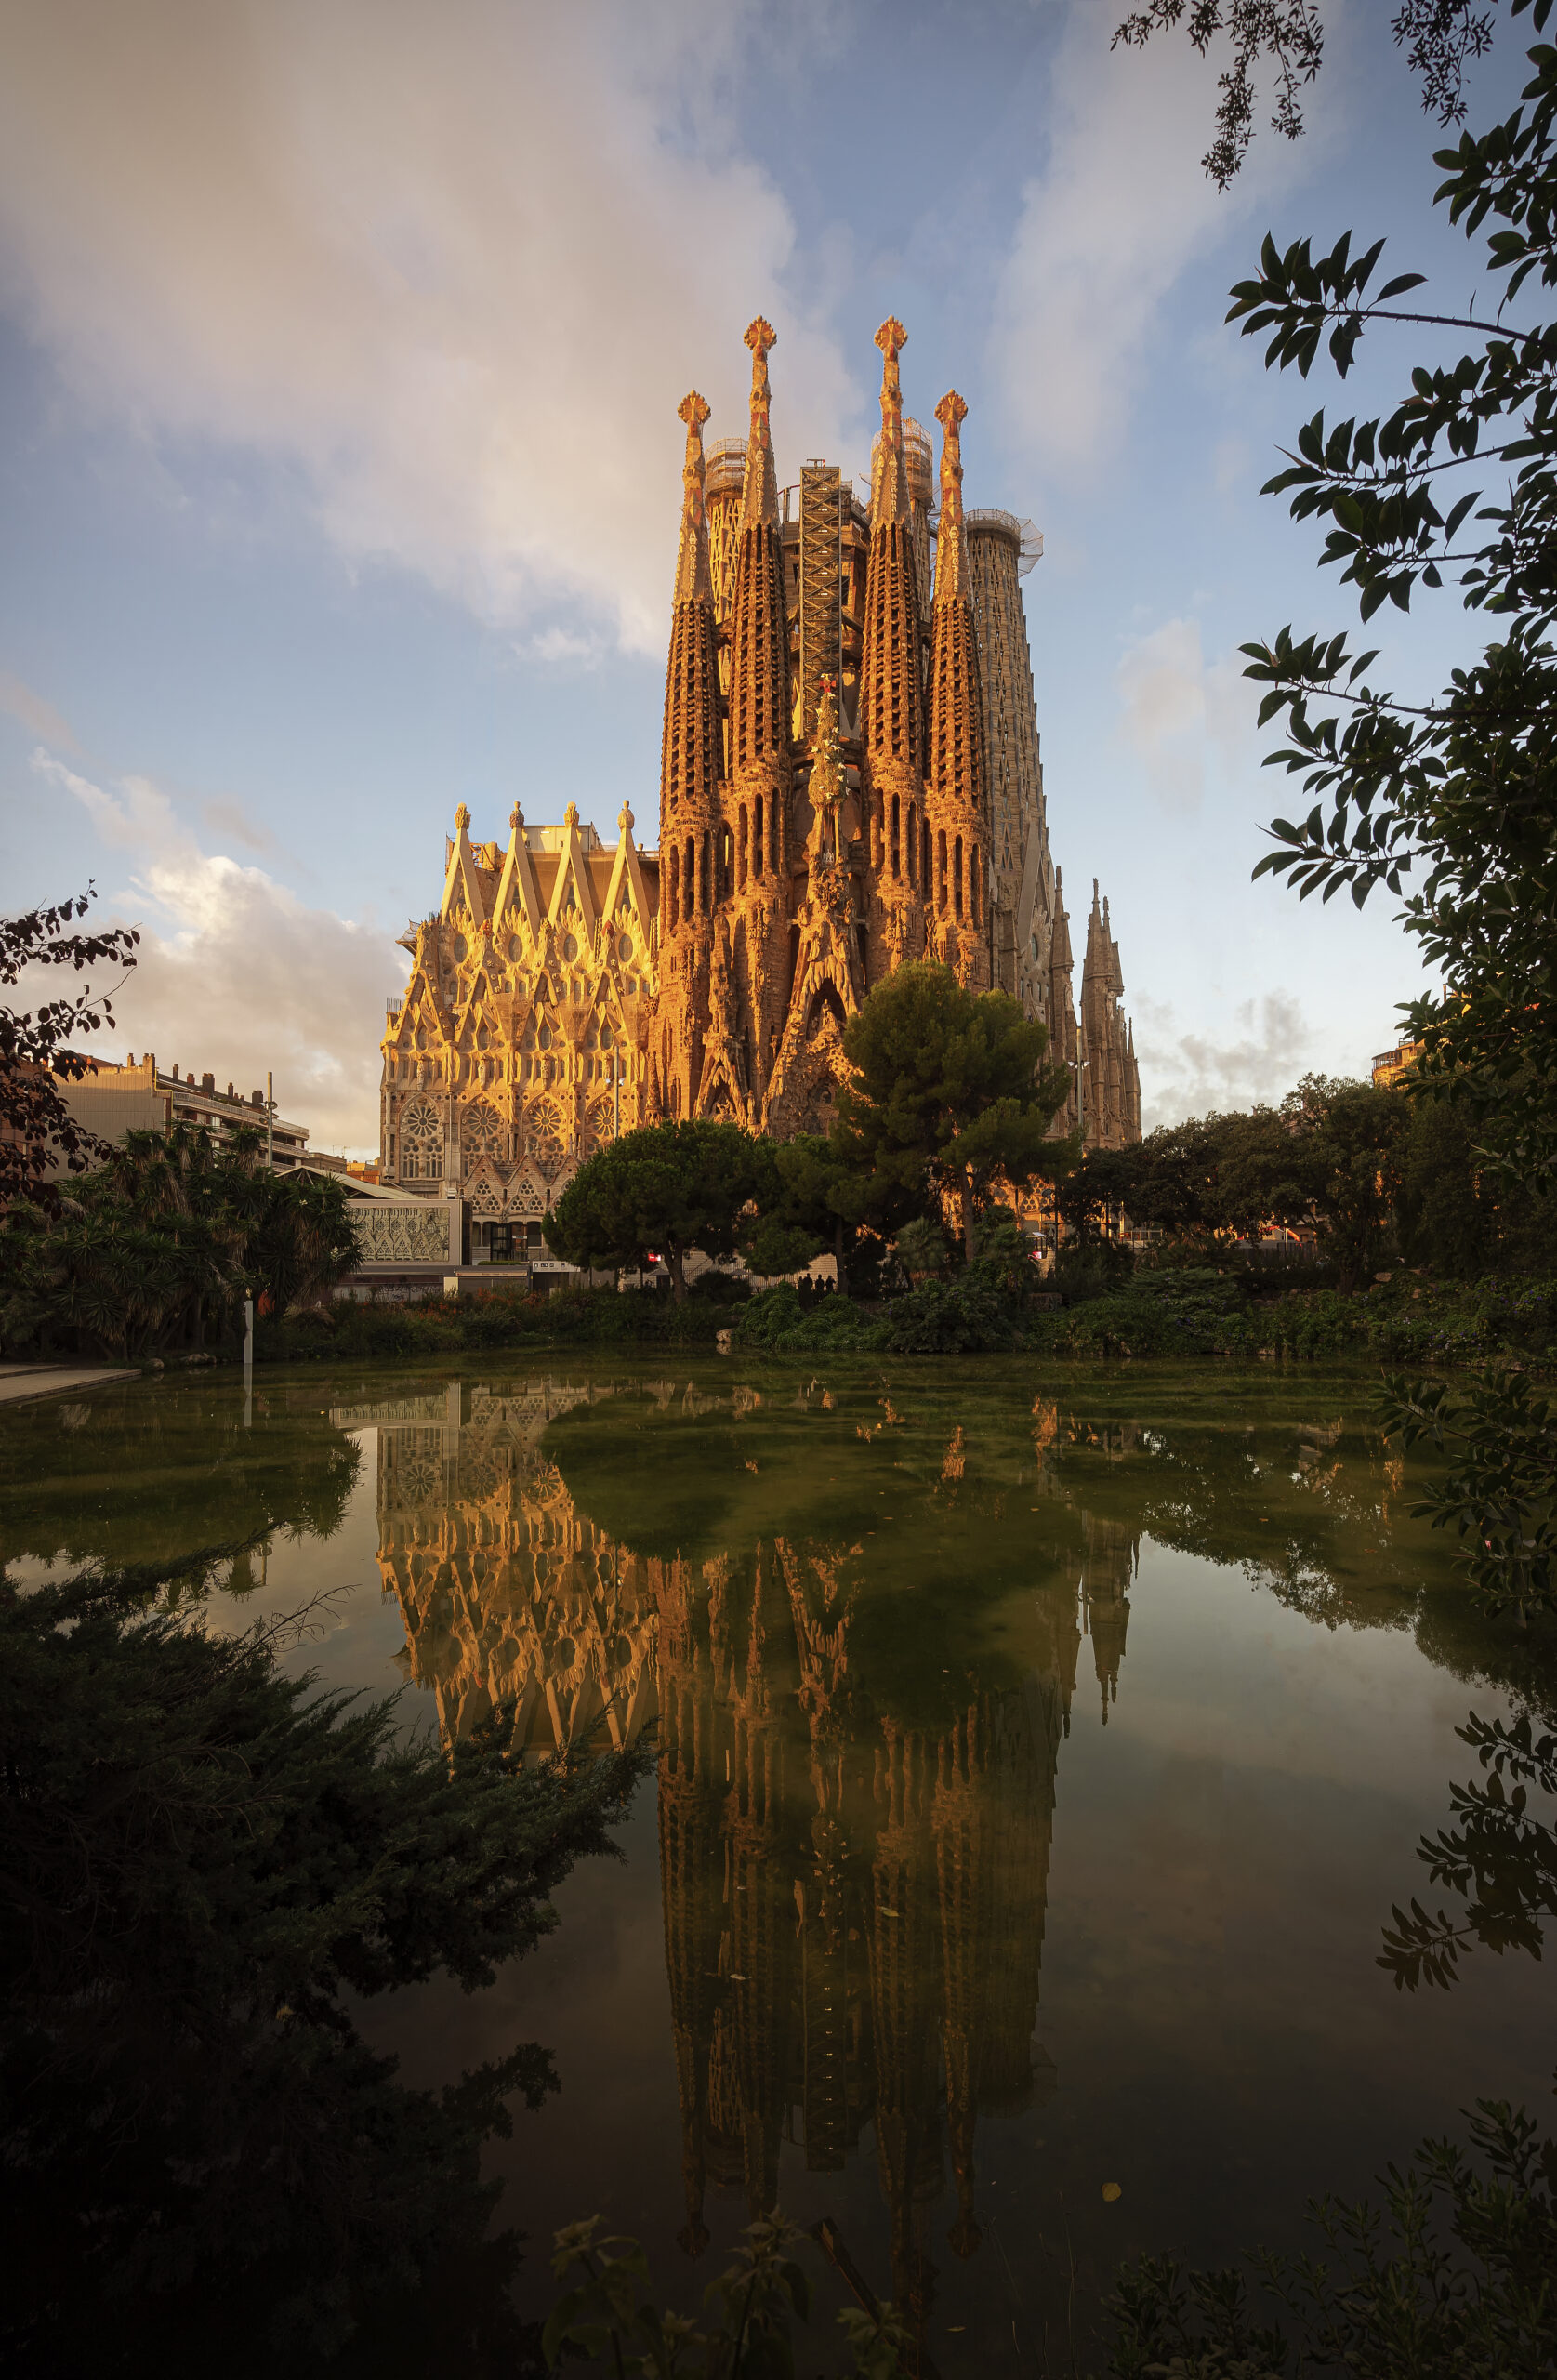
x=850, y=779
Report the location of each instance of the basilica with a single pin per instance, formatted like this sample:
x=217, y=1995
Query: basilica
x=850, y=778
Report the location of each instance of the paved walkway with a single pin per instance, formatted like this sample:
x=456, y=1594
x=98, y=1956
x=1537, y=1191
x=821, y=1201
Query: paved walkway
x=18, y=1382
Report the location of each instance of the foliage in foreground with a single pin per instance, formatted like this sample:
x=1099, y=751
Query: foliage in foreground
x=1500, y=1493
x=1455, y=2279
x=159, y=1248
x=203, y=1864
x=37, y=1131
x=748, y=2318
x=1499, y=1855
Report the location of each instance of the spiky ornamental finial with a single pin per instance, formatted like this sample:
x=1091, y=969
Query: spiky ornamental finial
x=888, y=492
x=760, y=489
x=693, y=579
x=951, y=544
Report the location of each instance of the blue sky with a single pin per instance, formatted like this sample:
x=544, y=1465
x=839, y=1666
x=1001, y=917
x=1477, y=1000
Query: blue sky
x=339, y=352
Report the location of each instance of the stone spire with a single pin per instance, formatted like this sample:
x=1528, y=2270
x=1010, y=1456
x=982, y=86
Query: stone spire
x=760, y=488
x=754, y=858
x=892, y=693
x=693, y=580
x=1112, y=1095
x=956, y=789
x=890, y=498
x=950, y=543
x=690, y=752
x=690, y=779
x=759, y=622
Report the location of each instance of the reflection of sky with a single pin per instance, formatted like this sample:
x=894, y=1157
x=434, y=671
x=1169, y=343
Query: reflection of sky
x=1223, y=1853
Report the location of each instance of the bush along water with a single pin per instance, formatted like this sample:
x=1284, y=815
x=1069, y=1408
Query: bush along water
x=1174, y=1311
x=489, y=1320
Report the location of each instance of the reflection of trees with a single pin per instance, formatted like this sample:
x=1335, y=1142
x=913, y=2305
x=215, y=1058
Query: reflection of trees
x=853, y=1897
x=149, y=1478
x=855, y=1812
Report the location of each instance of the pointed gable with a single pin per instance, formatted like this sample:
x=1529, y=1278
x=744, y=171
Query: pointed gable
x=463, y=881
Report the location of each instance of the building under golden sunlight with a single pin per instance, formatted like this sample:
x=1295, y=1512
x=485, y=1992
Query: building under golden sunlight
x=850, y=779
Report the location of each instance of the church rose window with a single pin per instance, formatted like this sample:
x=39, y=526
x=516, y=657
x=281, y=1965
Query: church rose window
x=483, y=1133
x=421, y=1142
x=543, y=1134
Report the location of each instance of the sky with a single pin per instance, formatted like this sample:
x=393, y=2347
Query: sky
x=340, y=348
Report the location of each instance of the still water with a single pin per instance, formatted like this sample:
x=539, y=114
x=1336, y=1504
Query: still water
x=1041, y=1754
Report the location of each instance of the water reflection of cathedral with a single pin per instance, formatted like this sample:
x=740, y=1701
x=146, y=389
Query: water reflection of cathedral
x=854, y=1906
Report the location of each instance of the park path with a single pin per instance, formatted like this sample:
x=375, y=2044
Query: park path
x=21, y=1382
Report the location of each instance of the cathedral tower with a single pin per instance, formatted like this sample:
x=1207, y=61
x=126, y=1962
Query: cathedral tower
x=1001, y=549
x=892, y=696
x=1110, y=1078
x=957, y=806
x=848, y=777
x=691, y=784
x=748, y=990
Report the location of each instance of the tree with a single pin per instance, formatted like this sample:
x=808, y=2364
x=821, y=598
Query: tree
x=1453, y=2282
x=167, y=1239
x=37, y=1131
x=948, y=1094
x=828, y=1189
x=749, y=2312
x=1105, y=1182
x=205, y=1867
x=661, y=1191
x=1456, y=791
x=1448, y=1220
x=1287, y=36
x=1500, y=1856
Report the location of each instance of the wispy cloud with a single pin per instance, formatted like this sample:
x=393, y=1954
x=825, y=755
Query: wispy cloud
x=1176, y=706
x=457, y=264
x=235, y=975
x=1189, y=1074
x=38, y=717
x=226, y=816
x=1121, y=207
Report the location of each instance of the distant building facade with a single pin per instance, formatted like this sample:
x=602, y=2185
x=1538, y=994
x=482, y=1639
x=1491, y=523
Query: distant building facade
x=850, y=779
x=1390, y=1065
x=113, y=1100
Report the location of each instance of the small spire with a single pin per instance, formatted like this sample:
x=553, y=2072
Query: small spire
x=950, y=543
x=693, y=579
x=516, y=818
x=462, y=818
x=888, y=492
x=570, y=815
x=624, y=820
x=759, y=490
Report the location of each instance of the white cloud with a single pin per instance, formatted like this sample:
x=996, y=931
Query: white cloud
x=457, y=264
x=235, y=975
x=1122, y=205
x=1174, y=705
x=1189, y=1074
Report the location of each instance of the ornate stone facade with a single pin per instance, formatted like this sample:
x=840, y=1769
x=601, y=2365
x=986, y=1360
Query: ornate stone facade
x=850, y=778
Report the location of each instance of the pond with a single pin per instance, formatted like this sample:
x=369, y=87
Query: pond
x=1042, y=1752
